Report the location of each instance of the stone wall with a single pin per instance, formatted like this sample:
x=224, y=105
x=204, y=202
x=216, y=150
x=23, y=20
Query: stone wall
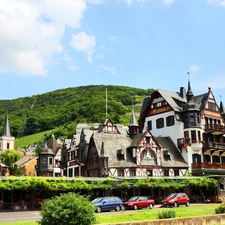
x=218, y=219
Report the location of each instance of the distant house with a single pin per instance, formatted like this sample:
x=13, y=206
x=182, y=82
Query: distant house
x=49, y=159
x=26, y=165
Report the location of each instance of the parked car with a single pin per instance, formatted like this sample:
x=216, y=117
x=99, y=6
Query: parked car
x=139, y=202
x=108, y=204
x=176, y=199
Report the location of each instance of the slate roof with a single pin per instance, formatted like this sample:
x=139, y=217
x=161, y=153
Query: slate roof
x=113, y=143
x=24, y=160
x=52, y=144
x=173, y=99
x=200, y=100
x=176, y=159
x=6, y=129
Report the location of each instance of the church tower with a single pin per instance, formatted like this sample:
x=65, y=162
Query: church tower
x=6, y=140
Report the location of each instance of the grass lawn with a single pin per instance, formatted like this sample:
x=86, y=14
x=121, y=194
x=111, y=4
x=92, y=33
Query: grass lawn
x=144, y=214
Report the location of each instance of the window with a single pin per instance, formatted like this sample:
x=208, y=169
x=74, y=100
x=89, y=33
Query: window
x=176, y=173
x=186, y=134
x=166, y=173
x=211, y=106
x=160, y=123
x=199, y=136
x=193, y=136
x=192, y=118
x=150, y=125
x=170, y=121
x=132, y=173
x=149, y=173
x=120, y=173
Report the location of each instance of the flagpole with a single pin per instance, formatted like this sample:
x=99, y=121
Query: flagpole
x=106, y=104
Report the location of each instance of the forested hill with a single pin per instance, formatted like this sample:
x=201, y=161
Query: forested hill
x=66, y=107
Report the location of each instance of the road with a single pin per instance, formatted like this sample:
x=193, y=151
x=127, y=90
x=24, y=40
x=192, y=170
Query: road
x=19, y=216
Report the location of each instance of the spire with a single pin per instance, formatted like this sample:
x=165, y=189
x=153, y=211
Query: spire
x=133, y=121
x=189, y=92
x=6, y=129
x=133, y=127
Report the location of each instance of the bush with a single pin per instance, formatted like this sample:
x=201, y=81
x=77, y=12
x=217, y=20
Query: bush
x=166, y=213
x=220, y=209
x=67, y=208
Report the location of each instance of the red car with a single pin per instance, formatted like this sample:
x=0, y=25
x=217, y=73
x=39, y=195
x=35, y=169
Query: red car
x=176, y=199
x=139, y=202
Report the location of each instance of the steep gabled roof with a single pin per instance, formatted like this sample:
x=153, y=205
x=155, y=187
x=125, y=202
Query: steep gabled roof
x=173, y=99
x=24, y=160
x=176, y=159
x=113, y=143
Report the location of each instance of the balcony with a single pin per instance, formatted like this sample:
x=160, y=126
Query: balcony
x=215, y=128
x=182, y=142
x=214, y=145
x=208, y=168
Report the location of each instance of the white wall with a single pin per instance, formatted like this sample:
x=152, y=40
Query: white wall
x=175, y=131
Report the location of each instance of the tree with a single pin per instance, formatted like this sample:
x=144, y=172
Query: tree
x=10, y=156
x=68, y=208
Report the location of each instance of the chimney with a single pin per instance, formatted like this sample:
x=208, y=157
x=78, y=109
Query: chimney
x=182, y=92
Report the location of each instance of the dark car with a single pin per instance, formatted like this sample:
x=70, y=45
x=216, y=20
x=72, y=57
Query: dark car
x=176, y=199
x=139, y=202
x=108, y=204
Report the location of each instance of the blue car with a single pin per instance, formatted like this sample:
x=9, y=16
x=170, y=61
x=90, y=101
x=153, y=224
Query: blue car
x=108, y=204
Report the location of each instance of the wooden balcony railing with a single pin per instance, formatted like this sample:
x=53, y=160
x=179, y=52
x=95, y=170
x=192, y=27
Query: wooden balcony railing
x=208, y=165
x=214, y=145
x=183, y=141
x=215, y=127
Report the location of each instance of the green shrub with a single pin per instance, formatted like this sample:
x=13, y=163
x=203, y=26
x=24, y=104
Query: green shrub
x=220, y=209
x=166, y=213
x=67, y=208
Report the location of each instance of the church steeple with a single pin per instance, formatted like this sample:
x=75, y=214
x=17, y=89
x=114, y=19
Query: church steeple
x=6, y=129
x=6, y=140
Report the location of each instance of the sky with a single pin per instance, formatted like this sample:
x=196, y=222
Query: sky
x=47, y=45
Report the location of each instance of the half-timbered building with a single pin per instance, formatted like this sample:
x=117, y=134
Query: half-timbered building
x=132, y=154
x=195, y=125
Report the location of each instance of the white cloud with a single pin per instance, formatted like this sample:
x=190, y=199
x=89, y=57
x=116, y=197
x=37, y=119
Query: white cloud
x=84, y=43
x=128, y=2
x=31, y=32
x=195, y=68
x=69, y=62
x=168, y=2
x=217, y=2
x=112, y=70
x=94, y=2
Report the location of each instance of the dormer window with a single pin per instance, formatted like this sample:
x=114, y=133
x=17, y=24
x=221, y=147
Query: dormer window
x=120, y=154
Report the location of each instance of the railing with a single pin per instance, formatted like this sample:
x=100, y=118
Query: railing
x=183, y=141
x=214, y=145
x=208, y=165
x=215, y=127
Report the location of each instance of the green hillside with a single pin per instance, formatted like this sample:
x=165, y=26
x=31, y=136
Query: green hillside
x=62, y=109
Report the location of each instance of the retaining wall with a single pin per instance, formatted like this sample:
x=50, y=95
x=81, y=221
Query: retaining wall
x=218, y=219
